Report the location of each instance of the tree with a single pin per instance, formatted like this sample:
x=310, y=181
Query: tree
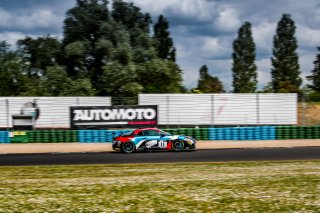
x=8, y=72
x=285, y=72
x=244, y=68
x=95, y=38
x=137, y=24
x=87, y=32
x=57, y=83
x=12, y=70
x=130, y=16
x=121, y=80
x=315, y=73
x=159, y=76
x=87, y=21
x=309, y=94
x=162, y=40
x=151, y=69
x=208, y=83
x=39, y=53
x=102, y=53
x=267, y=89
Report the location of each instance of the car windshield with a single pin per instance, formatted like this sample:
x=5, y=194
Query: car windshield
x=164, y=133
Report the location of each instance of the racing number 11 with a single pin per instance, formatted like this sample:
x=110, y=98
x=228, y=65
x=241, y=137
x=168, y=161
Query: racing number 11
x=162, y=144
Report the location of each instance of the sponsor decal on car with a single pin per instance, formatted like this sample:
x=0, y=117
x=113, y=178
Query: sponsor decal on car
x=153, y=139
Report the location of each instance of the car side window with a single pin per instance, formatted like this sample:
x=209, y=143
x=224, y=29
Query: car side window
x=152, y=133
x=140, y=133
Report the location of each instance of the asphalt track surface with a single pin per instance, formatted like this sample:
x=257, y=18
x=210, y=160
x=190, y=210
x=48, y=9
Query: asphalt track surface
x=212, y=155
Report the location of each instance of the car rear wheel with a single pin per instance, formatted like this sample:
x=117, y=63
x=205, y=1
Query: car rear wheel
x=177, y=146
x=128, y=147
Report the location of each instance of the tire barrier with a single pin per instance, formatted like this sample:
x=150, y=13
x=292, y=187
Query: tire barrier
x=197, y=133
x=232, y=133
x=4, y=137
x=94, y=136
x=19, y=137
x=98, y=136
x=52, y=136
x=105, y=136
x=298, y=132
x=243, y=133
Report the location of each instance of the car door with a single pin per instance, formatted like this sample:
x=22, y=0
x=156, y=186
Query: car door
x=139, y=139
x=153, y=138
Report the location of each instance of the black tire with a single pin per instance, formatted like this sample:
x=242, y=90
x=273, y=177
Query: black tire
x=178, y=146
x=128, y=147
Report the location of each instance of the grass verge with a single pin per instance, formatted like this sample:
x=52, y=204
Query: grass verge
x=197, y=187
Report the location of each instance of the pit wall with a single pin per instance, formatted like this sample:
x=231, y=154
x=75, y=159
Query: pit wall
x=105, y=136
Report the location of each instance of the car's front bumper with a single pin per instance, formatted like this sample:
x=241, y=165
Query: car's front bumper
x=191, y=147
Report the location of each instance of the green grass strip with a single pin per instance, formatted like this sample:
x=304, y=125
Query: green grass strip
x=193, y=187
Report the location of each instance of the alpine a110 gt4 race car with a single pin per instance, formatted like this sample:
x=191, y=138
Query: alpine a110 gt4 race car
x=152, y=139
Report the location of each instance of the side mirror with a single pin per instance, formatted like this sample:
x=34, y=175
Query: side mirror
x=162, y=135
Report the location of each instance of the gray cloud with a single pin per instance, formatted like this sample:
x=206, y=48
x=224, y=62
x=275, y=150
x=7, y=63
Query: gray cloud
x=36, y=22
x=25, y=6
x=204, y=31
x=33, y=16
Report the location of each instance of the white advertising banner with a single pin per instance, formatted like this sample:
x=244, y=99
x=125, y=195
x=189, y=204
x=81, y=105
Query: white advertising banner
x=49, y=112
x=224, y=108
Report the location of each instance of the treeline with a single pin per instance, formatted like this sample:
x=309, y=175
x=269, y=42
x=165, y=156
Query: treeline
x=103, y=52
x=120, y=52
x=285, y=70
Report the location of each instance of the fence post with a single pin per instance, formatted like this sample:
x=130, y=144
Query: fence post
x=7, y=112
x=258, y=108
x=212, y=110
x=303, y=110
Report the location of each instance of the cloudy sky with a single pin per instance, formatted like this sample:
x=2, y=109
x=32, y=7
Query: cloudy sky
x=203, y=30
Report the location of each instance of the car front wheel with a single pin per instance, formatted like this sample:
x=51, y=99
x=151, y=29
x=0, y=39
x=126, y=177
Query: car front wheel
x=128, y=147
x=177, y=146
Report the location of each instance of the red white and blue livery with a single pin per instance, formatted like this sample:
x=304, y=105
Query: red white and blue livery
x=152, y=139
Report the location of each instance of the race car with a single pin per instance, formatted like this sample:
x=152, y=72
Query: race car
x=152, y=139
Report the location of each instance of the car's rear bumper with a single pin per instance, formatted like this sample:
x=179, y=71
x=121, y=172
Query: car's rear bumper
x=116, y=146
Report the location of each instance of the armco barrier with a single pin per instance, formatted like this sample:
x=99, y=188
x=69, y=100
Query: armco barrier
x=4, y=137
